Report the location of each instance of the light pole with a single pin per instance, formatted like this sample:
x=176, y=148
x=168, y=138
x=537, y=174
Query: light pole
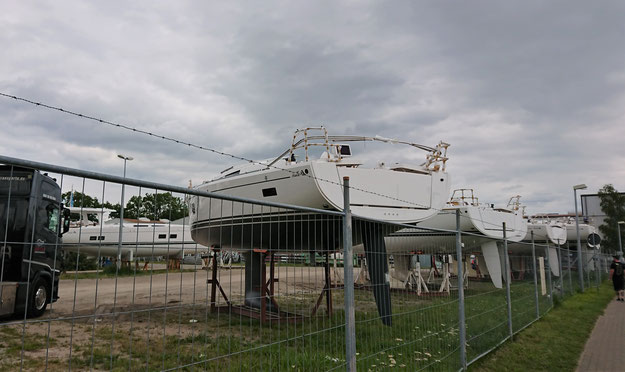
x=580, y=268
x=121, y=215
x=620, y=245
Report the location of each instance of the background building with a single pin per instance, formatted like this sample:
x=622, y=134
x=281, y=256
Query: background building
x=591, y=210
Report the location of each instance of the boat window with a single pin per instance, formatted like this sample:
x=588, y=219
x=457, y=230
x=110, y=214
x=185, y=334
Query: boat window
x=344, y=150
x=173, y=236
x=270, y=192
x=162, y=236
x=94, y=237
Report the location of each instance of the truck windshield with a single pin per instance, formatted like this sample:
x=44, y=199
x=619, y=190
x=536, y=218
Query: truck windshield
x=18, y=183
x=13, y=215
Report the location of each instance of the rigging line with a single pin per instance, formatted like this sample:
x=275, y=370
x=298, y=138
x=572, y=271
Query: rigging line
x=189, y=144
x=200, y=147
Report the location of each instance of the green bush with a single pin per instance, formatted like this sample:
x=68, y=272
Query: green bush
x=84, y=262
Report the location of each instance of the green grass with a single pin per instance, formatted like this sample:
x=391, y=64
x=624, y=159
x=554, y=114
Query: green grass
x=13, y=340
x=424, y=334
x=555, y=342
x=123, y=272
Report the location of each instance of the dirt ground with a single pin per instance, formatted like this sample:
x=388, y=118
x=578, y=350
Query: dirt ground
x=81, y=323
x=91, y=296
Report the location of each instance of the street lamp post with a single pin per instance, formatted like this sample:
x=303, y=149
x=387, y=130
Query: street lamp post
x=620, y=245
x=121, y=215
x=580, y=268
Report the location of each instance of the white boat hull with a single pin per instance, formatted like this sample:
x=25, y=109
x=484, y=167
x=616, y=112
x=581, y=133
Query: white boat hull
x=391, y=196
x=138, y=240
x=585, y=232
x=486, y=223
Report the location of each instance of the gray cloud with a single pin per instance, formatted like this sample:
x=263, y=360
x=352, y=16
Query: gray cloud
x=529, y=95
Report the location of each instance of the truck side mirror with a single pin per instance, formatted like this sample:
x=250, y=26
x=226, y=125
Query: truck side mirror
x=66, y=220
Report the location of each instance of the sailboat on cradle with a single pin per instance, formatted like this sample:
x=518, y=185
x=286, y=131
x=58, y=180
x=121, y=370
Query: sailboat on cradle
x=401, y=193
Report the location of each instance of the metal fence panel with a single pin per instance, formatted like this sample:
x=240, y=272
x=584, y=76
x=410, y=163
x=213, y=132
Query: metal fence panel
x=263, y=286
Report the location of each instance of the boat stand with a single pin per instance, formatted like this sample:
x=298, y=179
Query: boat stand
x=337, y=277
x=173, y=264
x=214, y=282
x=433, y=271
x=327, y=290
x=465, y=274
x=446, y=277
x=267, y=290
x=415, y=280
x=363, y=275
x=521, y=272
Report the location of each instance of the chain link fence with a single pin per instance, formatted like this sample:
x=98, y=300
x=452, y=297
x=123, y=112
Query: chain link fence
x=248, y=285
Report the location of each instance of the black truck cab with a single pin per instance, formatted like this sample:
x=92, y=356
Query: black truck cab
x=30, y=240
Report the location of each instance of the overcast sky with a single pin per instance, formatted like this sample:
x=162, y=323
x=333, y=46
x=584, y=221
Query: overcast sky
x=531, y=95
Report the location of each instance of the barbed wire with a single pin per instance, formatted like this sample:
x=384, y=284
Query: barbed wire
x=199, y=147
x=218, y=152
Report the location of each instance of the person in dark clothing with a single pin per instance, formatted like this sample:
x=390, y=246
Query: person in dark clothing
x=618, y=278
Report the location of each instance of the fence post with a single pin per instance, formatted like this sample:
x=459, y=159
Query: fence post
x=597, y=271
x=535, y=278
x=561, y=274
x=348, y=275
x=568, y=256
x=461, y=324
x=549, y=276
x=508, y=277
x=587, y=263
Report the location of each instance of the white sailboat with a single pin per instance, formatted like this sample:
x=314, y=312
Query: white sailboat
x=589, y=240
x=552, y=232
x=483, y=221
x=541, y=232
x=140, y=237
x=555, y=231
x=587, y=233
x=394, y=193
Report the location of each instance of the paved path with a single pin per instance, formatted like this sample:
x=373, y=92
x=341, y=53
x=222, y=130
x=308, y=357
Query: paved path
x=605, y=349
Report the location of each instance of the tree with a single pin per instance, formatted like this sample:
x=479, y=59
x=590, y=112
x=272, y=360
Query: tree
x=613, y=205
x=80, y=200
x=86, y=201
x=156, y=206
x=115, y=207
x=153, y=206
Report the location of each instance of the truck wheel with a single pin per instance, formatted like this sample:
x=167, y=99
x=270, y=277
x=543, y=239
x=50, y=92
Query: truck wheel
x=38, y=298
